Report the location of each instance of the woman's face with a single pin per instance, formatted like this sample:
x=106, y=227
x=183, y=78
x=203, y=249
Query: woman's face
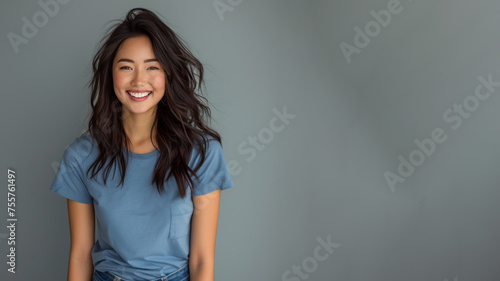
x=137, y=73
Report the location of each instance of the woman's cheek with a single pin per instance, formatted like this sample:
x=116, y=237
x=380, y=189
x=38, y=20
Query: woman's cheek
x=159, y=82
x=119, y=80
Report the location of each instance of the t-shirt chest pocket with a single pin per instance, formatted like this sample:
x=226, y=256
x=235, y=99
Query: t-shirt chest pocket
x=180, y=220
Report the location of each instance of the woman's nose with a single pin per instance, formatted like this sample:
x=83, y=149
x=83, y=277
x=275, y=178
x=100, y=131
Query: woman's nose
x=139, y=78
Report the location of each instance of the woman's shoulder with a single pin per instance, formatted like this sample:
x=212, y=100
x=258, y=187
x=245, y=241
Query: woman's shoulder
x=211, y=144
x=80, y=148
x=213, y=151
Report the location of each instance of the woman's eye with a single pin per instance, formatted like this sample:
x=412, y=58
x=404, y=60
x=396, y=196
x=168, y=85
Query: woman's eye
x=151, y=67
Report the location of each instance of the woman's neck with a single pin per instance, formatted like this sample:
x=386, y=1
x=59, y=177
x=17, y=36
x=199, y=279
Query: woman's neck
x=138, y=130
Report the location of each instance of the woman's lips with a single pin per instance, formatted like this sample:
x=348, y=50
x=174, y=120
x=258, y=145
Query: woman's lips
x=138, y=98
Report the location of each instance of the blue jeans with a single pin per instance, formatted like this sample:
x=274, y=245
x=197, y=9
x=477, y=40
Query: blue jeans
x=181, y=274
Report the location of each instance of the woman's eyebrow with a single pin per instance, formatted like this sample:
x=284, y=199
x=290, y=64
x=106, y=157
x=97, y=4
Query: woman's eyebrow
x=129, y=60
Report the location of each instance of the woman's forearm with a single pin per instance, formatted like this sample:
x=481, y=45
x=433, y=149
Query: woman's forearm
x=80, y=269
x=201, y=272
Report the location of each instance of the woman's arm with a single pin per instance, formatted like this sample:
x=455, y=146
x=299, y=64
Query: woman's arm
x=203, y=234
x=81, y=224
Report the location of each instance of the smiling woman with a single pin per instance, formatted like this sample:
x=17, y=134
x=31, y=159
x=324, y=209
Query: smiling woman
x=137, y=77
x=139, y=84
x=154, y=227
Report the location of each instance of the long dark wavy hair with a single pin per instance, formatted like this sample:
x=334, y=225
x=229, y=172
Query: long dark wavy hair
x=180, y=115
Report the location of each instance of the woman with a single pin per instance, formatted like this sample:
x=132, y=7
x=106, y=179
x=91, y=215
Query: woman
x=148, y=121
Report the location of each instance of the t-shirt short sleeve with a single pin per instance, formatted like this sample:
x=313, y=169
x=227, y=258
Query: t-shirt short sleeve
x=214, y=173
x=69, y=181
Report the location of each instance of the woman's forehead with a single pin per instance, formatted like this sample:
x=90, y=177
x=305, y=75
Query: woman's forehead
x=136, y=48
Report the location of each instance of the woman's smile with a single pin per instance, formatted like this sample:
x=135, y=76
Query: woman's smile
x=139, y=96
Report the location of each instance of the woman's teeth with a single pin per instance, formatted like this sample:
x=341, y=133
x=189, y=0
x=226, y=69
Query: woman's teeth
x=139, y=95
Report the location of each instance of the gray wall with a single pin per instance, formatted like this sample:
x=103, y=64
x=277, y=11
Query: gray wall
x=319, y=178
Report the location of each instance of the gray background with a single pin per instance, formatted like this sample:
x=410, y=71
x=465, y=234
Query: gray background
x=322, y=176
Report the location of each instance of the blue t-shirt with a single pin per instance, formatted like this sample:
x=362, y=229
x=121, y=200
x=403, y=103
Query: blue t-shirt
x=140, y=234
